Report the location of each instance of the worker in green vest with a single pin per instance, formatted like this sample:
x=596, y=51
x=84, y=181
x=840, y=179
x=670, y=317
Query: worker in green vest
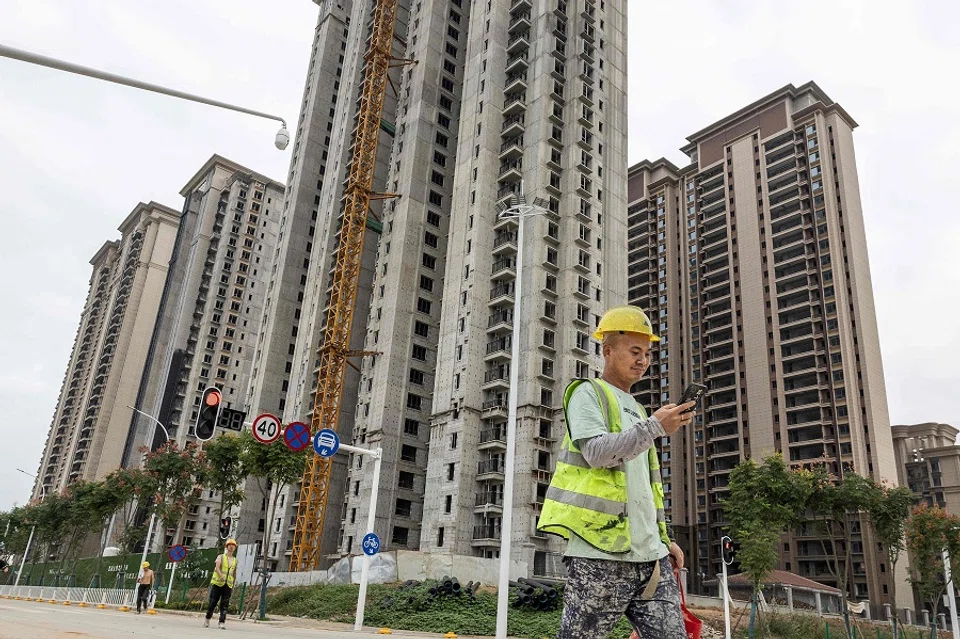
x=606, y=495
x=221, y=584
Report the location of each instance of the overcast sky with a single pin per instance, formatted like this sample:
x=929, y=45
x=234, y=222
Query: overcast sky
x=76, y=155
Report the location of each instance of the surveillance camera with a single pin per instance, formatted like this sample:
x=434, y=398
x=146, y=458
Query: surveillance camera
x=283, y=138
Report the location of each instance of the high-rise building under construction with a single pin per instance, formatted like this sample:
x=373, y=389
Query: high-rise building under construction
x=752, y=263
x=503, y=98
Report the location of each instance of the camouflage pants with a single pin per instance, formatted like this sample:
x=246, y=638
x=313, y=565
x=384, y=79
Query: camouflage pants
x=599, y=592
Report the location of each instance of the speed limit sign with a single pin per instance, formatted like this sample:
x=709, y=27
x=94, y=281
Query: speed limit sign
x=266, y=428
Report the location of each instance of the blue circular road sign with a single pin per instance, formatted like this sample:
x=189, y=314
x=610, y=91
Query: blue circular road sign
x=177, y=553
x=371, y=544
x=296, y=436
x=326, y=442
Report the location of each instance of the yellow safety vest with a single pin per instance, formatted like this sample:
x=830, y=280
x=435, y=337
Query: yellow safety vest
x=228, y=572
x=592, y=502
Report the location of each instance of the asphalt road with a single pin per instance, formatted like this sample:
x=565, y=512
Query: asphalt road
x=32, y=620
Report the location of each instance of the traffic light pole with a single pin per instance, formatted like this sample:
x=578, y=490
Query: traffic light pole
x=724, y=541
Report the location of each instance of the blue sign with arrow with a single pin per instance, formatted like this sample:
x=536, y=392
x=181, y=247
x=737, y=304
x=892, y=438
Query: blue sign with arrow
x=371, y=544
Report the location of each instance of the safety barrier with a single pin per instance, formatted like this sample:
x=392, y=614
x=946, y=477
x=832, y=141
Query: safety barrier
x=99, y=597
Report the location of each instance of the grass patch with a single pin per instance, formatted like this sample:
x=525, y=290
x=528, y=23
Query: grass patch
x=413, y=609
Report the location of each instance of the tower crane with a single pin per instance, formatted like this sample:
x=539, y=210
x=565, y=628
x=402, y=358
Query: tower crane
x=335, y=347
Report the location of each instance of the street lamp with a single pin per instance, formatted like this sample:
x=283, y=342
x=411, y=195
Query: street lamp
x=43, y=495
x=153, y=515
x=515, y=208
x=281, y=140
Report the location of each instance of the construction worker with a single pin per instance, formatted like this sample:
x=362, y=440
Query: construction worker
x=606, y=495
x=144, y=584
x=221, y=584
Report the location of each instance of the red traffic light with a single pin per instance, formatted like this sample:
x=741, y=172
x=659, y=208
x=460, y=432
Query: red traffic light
x=212, y=398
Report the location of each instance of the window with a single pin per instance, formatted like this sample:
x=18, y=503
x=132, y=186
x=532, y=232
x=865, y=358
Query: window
x=403, y=508
x=408, y=453
x=420, y=352
x=405, y=480
x=411, y=427
x=416, y=376
x=453, y=440
x=430, y=239
x=400, y=535
x=426, y=283
x=429, y=261
x=424, y=306
x=549, y=338
x=414, y=401
x=440, y=537
x=448, y=504
x=450, y=471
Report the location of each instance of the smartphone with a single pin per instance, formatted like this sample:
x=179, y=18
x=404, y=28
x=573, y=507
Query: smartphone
x=692, y=393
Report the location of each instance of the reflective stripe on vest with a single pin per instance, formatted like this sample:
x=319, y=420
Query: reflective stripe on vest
x=591, y=502
x=227, y=576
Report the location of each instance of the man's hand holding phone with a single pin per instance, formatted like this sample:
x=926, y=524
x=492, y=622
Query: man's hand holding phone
x=672, y=416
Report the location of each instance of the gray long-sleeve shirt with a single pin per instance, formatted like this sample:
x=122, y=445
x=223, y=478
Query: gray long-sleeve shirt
x=611, y=449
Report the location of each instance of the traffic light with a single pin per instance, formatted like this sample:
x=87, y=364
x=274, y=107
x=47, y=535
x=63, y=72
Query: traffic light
x=225, y=527
x=210, y=404
x=727, y=548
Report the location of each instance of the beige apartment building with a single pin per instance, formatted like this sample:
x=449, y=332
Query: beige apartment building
x=752, y=263
x=928, y=462
x=89, y=427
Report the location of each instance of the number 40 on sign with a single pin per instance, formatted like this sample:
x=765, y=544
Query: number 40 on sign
x=266, y=428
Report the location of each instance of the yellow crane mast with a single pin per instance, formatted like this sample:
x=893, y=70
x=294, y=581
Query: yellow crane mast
x=334, y=349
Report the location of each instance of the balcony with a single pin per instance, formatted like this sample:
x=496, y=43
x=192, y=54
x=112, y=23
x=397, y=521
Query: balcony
x=490, y=469
x=496, y=407
x=502, y=292
x=512, y=126
x=488, y=535
x=515, y=104
x=502, y=319
x=497, y=378
x=516, y=82
x=517, y=63
x=488, y=504
x=520, y=21
x=511, y=171
x=505, y=265
x=511, y=149
x=493, y=438
x=499, y=349
x=504, y=241
x=519, y=42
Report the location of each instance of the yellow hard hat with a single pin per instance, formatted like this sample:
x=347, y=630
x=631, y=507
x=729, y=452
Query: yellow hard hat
x=625, y=319
x=229, y=542
x=145, y=564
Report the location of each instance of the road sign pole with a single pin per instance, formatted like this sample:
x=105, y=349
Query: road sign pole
x=173, y=571
x=377, y=455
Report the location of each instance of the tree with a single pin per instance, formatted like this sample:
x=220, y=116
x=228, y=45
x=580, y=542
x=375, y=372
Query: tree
x=889, y=512
x=274, y=467
x=764, y=500
x=833, y=503
x=928, y=532
x=177, y=476
x=226, y=471
x=133, y=488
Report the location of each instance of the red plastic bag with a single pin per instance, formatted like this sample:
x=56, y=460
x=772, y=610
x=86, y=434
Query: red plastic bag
x=691, y=623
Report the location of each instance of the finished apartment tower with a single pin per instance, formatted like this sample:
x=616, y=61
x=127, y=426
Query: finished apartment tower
x=752, y=263
x=91, y=419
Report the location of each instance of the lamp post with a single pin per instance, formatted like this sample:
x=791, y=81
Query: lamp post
x=43, y=495
x=518, y=209
x=281, y=140
x=153, y=516
x=948, y=577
